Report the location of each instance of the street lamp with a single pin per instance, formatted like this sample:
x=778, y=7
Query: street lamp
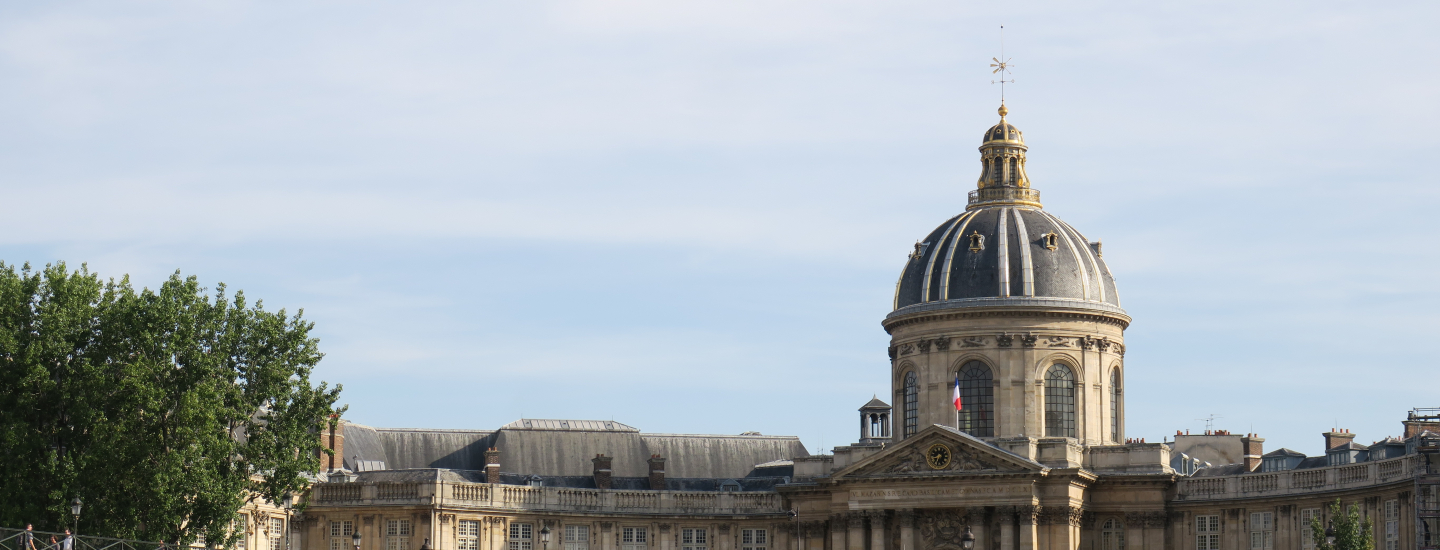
x=1330, y=534
x=289, y=504
x=355, y=538
x=75, y=511
x=545, y=536
x=967, y=540
x=425, y=545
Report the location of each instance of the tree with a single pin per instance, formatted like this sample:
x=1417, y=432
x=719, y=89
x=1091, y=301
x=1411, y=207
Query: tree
x=1352, y=532
x=164, y=410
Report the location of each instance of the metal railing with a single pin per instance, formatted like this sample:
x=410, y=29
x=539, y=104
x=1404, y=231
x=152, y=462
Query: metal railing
x=14, y=539
x=1004, y=195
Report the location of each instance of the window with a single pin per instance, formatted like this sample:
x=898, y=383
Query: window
x=1115, y=406
x=1059, y=402
x=276, y=535
x=753, y=539
x=1339, y=458
x=521, y=536
x=632, y=538
x=240, y=525
x=1307, y=536
x=468, y=535
x=340, y=532
x=692, y=539
x=1262, y=530
x=1207, y=532
x=397, y=534
x=1112, y=535
x=912, y=404
x=1392, y=525
x=977, y=399
x=577, y=537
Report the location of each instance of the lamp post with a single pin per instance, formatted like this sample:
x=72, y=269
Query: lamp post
x=355, y=538
x=967, y=539
x=545, y=536
x=289, y=504
x=75, y=512
x=1330, y=534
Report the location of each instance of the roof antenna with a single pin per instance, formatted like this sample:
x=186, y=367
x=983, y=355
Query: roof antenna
x=1002, y=68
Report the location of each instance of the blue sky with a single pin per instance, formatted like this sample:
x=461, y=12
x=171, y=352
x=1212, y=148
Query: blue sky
x=689, y=216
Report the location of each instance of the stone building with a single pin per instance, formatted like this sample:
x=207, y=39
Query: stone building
x=1005, y=305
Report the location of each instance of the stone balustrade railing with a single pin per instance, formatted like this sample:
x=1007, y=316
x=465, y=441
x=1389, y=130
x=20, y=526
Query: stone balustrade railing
x=1292, y=482
x=556, y=499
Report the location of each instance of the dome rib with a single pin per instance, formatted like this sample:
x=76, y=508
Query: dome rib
x=1027, y=269
x=950, y=254
x=1004, y=256
x=930, y=267
x=1074, y=253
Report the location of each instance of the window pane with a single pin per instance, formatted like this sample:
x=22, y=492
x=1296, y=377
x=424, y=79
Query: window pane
x=1059, y=402
x=977, y=398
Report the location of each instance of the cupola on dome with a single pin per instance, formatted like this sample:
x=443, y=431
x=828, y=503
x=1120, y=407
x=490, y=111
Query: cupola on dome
x=1005, y=249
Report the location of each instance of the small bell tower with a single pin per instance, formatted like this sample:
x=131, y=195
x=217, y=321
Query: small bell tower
x=875, y=422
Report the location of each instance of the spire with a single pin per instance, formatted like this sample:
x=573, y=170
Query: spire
x=1002, y=167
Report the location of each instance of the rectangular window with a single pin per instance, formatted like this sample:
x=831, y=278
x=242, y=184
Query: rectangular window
x=633, y=538
x=467, y=535
x=1307, y=536
x=1392, y=525
x=1262, y=530
x=521, y=536
x=577, y=537
x=276, y=534
x=692, y=539
x=397, y=534
x=753, y=539
x=340, y=532
x=1207, y=532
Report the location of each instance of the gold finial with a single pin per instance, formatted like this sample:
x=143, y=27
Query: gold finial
x=1003, y=110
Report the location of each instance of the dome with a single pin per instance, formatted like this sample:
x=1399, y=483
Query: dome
x=1005, y=249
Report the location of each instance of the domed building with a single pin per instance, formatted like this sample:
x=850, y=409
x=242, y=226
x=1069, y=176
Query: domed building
x=1016, y=305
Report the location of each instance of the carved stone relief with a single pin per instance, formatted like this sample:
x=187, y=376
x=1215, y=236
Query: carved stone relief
x=972, y=342
x=942, y=344
x=1004, y=340
x=923, y=346
x=1057, y=342
x=942, y=528
x=907, y=349
x=1028, y=340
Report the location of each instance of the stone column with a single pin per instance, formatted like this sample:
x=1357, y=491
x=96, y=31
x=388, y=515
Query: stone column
x=856, y=537
x=837, y=532
x=907, y=529
x=1005, y=516
x=1028, y=533
x=877, y=530
x=667, y=542
x=975, y=520
x=607, y=535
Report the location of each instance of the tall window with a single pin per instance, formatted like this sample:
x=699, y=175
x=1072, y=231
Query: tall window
x=692, y=539
x=1307, y=537
x=1115, y=406
x=577, y=537
x=1392, y=525
x=753, y=539
x=276, y=534
x=522, y=536
x=1059, y=402
x=340, y=532
x=633, y=538
x=1112, y=535
x=977, y=398
x=912, y=404
x=397, y=534
x=1262, y=530
x=1207, y=532
x=468, y=535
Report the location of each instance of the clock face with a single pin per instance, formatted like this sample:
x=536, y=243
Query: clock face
x=938, y=457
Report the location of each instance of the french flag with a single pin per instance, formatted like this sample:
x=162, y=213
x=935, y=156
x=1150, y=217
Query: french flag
x=957, y=390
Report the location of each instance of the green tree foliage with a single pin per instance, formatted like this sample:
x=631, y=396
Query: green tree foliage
x=164, y=410
x=1352, y=531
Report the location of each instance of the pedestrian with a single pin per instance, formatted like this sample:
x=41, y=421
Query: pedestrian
x=27, y=539
x=68, y=543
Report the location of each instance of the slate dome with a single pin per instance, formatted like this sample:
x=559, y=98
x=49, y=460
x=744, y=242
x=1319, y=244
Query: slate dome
x=1005, y=249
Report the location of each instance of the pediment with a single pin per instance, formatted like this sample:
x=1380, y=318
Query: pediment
x=966, y=455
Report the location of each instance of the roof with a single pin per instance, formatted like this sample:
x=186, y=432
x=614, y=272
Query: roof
x=875, y=403
x=1284, y=452
x=569, y=425
x=1346, y=446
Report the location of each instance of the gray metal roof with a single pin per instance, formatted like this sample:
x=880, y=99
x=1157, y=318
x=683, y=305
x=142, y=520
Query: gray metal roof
x=569, y=425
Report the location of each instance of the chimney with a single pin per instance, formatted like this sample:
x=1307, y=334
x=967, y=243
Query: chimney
x=334, y=440
x=492, y=465
x=602, y=471
x=1252, y=448
x=657, y=473
x=1336, y=438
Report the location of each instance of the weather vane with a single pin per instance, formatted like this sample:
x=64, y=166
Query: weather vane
x=1002, y=68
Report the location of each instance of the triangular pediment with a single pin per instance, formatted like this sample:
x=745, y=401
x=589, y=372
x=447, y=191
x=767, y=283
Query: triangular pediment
x=940, y=450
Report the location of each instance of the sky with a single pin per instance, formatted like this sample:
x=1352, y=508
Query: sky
x=689, y=216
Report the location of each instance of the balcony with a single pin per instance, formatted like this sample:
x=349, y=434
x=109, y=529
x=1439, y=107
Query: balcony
x=477, y=496
x=1004, y=195
x=1297, y=482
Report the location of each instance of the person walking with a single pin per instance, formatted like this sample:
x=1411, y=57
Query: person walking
x=67, y=543
x=27, y=539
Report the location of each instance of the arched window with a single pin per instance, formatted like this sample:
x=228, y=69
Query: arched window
x=977, y=399
x=912, y=404
x=1115, y=406
x=1112, y=535
x=1059, y=402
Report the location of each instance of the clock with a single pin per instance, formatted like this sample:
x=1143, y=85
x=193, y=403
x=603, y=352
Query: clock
x=938, y=456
